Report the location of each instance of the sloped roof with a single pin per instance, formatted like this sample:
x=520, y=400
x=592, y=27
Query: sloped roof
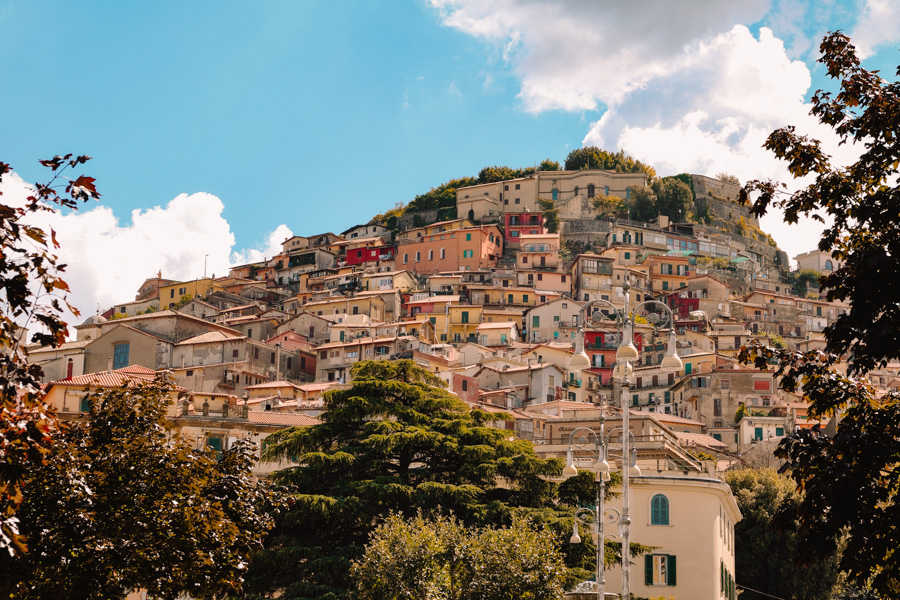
x=272, y=417
x=129, y=374
x=210, y=337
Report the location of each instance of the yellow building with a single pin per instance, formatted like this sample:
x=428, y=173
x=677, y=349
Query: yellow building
x=463, y=322
x=171, y=295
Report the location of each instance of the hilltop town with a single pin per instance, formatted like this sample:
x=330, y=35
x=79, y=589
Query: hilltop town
x=509, y=301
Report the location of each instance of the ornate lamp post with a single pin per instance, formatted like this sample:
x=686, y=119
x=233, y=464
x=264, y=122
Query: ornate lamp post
x=626, y=354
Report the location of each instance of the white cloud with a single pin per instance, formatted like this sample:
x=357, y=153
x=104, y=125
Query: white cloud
x=878, y=25
x=570, y=55
x=686, y=86
x=107, y=260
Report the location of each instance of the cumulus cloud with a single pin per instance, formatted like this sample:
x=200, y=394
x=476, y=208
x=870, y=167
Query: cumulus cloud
x=685, y=86
x=878, y=25
x=570, y=55
x=108, y=259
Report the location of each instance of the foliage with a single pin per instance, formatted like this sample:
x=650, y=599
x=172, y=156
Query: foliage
x=643, y=205
x=769, y=552
x=673, y=198
x=394, y=441
x=548, y=165
x=728, y=178
x=119, y=506
x=591, y=157
x=440, y=558
x=850, y=479
x=551, y=215
x=610, y=206
x=502, y=173
x=801, y=280
x=34, y=295
x=740, y=413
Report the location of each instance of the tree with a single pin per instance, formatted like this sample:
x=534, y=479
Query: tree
x=394, y=441
x=119, y=506
x=673, y=198
x=850, y=479
x=551, y=215
x=643, y=205
x=769, y=554
x=548, y=165
x=610, y=206
x=34, y=294
x=728, y=178
x=502, y=173
x=440, y=558
x=591, y=157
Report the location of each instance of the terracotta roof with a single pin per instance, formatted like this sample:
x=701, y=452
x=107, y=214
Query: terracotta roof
x=271, y=417
x=497, y=325
x=272, y=384
x=210, y=337
x=129, y=374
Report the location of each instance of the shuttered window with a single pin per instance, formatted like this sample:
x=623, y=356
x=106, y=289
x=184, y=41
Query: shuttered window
x=659, y=510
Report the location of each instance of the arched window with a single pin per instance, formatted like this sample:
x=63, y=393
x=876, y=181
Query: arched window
x=659, y=510
x=591, y=190
x=829, y=266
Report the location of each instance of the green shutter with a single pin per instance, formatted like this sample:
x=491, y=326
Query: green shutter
x=648, y=569
x=85, y=405
x=722, y=577
x=670, y=571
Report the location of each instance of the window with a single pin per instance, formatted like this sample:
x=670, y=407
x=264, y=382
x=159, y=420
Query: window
x=518, y=201
x=84, y=405
x=405, y=258
x=524, y=298
x=517, y=186
x=120, y=355
x=443, y=253
x=659, y=510
x=591, y=190
x=506, y=188
x=272, y=358
x=554, y=194
x=779, y=432
x=464, y=316
x=465, y=385
x=659, y=569
x=757, y=434
x=628, y=256
x=468, y=237
x=70, y=365
x=431, y=255
x=256, y=353
x=418, y=256
x=234, y=354
x=172, y=293
x=717, y=407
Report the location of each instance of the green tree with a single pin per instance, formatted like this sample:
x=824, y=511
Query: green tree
x=673, y=198
x=642, y=206
x=850, y=480
x=394, y=441
x=119, y=506
x=591, y=157
x=548, y=165
x=610, y=206
x=551, y=215
x=440, y=558
x=769, y=552
x=502, y=173
x=34, y=295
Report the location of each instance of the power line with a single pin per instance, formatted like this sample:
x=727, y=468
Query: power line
x=744, y=587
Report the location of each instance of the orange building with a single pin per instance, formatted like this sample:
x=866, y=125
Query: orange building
x=466, y=249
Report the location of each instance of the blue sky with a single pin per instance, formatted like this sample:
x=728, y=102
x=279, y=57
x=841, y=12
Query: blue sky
x=216, y=128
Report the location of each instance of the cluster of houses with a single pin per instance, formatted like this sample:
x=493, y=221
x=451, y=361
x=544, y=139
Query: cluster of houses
x=508, y=315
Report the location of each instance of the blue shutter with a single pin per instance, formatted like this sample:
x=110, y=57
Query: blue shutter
x=120, y=355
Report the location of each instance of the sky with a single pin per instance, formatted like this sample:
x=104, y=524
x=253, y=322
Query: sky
x=218, y=129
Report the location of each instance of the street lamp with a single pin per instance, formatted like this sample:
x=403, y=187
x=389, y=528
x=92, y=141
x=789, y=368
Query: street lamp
x=626, y=354
x=601, y=466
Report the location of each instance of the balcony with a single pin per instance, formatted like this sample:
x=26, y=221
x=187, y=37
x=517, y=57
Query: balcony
x=572, y=383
